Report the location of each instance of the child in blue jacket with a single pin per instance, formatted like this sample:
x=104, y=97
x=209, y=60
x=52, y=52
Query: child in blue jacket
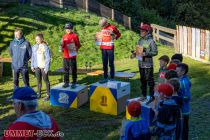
x=136, y=128
x=182, y=70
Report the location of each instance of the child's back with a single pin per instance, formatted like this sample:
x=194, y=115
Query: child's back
x=136, y=130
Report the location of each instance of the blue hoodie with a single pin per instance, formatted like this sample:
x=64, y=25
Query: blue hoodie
x=185, y=94
x=136, y=130
x=20, y=51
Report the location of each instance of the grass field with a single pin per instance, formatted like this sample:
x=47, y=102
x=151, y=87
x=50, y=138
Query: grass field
x=81, y=124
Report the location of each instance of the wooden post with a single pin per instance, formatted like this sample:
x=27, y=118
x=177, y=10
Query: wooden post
x=129, y=23
x=61, y=3
x=112, y=14
x=86, y=5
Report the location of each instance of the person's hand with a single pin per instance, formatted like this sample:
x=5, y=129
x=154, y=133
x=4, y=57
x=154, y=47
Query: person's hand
x=33, y=69
x=45, y=71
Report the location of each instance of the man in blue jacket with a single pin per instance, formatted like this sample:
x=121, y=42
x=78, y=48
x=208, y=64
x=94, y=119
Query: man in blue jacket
x=20, y=51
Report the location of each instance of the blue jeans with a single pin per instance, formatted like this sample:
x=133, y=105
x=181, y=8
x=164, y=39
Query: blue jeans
x=108, y=56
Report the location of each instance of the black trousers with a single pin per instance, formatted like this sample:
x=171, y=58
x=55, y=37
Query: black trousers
x=39, y=75
x=108, y=56
x=70, y=63
x=25, y=76
x=147, y=78
x=185, y=127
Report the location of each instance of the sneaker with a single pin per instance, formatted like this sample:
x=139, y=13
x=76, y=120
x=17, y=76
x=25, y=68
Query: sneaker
x=38, y=95
x=47, y=98
x=150, y=100
x=73, y=86
x=65, y=85
x=103, y=81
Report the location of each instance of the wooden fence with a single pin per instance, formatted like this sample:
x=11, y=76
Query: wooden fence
x=193, y=42
x=88, y=6
x=163, y=33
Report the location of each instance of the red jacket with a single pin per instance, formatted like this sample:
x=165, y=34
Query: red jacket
x=28, y=130
x=109, y=33
x=66, y=41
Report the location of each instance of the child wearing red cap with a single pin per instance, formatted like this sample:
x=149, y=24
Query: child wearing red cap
x=168, y=114
x=135, y=129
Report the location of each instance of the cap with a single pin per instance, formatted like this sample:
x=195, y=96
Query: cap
x=134, y=108
x=24, y=93
x=172, y=66
x=69, y=25
x=166, y=89
x=145, y=27
x=165, y=58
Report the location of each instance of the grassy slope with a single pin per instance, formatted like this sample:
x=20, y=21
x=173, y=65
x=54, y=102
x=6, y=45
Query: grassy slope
x=81, y=123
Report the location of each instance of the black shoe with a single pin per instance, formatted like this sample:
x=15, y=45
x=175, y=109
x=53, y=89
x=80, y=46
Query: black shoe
x=73, y=86
x=150, y=100
x=65, y=85
x=47, y=98
x=38, y=95
x=103, y=81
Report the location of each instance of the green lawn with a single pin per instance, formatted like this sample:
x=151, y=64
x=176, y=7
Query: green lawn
x=81, y=124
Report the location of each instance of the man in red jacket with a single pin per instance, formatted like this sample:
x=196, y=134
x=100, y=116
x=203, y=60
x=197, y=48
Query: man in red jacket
x=31, y=124
x=105, y=38
x=70, y=45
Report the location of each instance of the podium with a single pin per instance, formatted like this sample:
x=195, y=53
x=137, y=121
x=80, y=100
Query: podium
x=146, y=111
x=109, y=98
x=67, y=97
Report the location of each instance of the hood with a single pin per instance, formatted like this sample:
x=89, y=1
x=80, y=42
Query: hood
x=38, y=119
x=19, y=41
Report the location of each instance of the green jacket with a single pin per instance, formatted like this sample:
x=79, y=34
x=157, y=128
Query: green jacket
x=150, y=49
x=161, y=75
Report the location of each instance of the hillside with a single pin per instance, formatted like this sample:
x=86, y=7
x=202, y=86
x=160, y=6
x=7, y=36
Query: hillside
x=50, y=22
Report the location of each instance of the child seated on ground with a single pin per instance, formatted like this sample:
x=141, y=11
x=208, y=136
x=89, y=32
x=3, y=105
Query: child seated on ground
x=164, y=60
x=168, y=114
x=182, y=70
x=135, y=129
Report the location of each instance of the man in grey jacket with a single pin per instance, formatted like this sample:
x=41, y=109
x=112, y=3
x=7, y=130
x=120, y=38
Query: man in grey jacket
x=146, y=63
x=20, y=51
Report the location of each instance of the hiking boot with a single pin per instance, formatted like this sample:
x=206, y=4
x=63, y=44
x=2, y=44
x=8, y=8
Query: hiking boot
x=73, y=86
x=65, y=85
x=112, y=79
x=38, y=95
x=47, y=98
x=103, y=81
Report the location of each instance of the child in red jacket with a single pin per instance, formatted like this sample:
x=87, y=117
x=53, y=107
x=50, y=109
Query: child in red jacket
x=70, y=45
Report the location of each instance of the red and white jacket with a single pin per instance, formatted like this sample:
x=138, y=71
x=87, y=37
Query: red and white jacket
x=108, y=35
x=67, y=41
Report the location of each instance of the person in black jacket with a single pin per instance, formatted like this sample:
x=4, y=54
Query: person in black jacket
x=20, y=51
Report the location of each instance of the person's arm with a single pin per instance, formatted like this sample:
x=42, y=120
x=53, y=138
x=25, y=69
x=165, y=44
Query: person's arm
x=77, y=42
x=10, y=49
x=32, y=60
x=153, y=49
x=47, y=59
x=116, y=32
x=185, y=86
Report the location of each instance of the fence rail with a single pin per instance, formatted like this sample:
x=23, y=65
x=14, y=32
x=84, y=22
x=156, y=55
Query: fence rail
x=165, y=34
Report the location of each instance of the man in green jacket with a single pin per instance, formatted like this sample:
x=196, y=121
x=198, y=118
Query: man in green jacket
x=146, y=63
